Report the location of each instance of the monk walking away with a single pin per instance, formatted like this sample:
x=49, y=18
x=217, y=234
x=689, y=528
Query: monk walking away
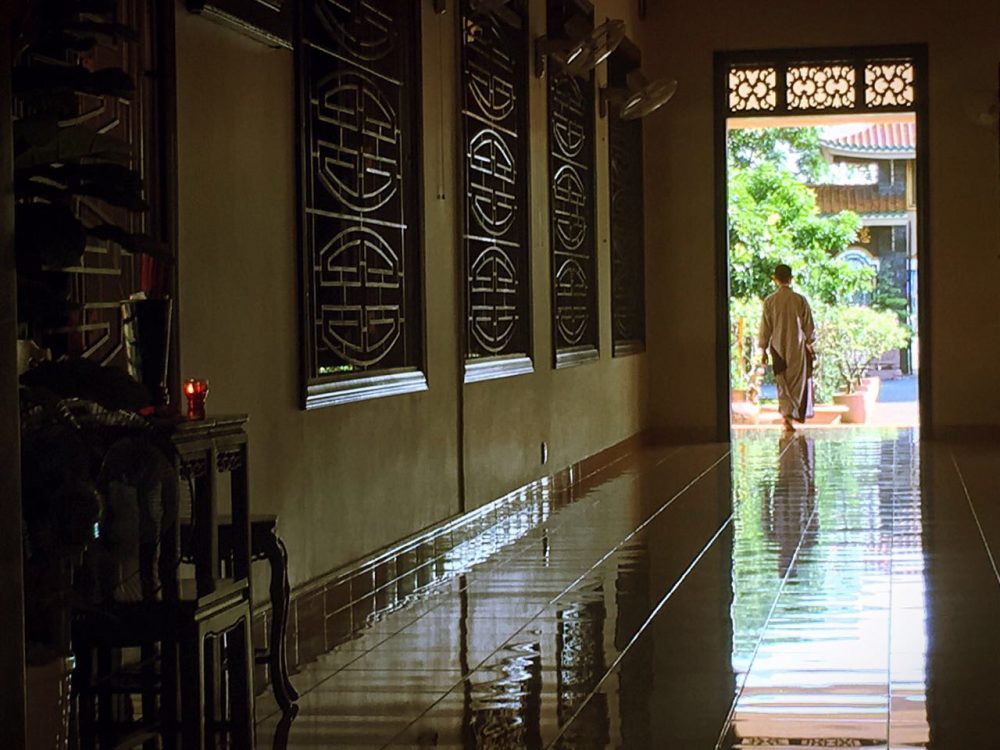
x=787, y=335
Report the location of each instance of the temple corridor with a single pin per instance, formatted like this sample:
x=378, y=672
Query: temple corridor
x=835, y=588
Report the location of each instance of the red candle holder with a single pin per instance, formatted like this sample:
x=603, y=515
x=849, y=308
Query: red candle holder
x=196, y=391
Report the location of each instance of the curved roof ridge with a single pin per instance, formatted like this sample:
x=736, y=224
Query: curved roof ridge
x=879, y=137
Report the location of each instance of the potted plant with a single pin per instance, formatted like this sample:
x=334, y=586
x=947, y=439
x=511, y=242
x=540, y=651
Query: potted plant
x=850, y=338
x=744, y=317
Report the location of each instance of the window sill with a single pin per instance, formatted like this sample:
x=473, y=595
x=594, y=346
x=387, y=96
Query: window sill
x=574, y=357
x=364, y=388
x=627, y=348
x=494, y=369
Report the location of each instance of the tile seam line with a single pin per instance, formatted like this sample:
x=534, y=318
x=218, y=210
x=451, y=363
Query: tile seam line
x=892, y=566
x=767, y=621
x=604, y=558
x=668, y=454
x=463, y=519
x=975, y=516
x=652, y=615
x=443, y=555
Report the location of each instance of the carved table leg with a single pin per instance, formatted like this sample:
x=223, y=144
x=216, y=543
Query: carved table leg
x=277, y=556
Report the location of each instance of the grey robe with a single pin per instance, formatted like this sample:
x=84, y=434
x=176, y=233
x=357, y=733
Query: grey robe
x=785, y=328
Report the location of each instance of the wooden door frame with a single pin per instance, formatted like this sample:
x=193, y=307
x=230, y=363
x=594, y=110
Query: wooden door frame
x=723, y=60
x=12, y=664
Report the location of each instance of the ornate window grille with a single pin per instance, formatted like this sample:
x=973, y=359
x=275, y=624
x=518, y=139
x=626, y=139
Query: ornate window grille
x=571, y=203
x=106, y=274
x=628, y=302
x=358, y=79
x=802, y=82
x=494, y=102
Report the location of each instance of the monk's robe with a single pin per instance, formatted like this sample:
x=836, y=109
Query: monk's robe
x=785, y=328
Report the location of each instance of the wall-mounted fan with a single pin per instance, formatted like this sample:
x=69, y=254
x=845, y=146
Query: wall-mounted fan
x=640, y=98
x=582, y=48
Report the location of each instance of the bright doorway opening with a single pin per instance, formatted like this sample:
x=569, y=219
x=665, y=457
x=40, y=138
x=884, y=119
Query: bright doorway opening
x=835, y=198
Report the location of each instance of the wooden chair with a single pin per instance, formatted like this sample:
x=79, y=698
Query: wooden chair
x=194, y=679
x=265, y=545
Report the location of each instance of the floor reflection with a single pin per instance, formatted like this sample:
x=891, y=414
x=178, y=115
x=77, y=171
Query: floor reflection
x=778, y=592
x=829, y=596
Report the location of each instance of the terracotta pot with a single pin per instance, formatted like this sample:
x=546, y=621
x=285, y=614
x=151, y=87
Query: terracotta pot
x=47, y=690
x=857, y=406
x=873, y=385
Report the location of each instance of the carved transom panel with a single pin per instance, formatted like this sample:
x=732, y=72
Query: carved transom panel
x=495, y=232
x=753, y=89
x=820, y=86
x=889, y=84
x=788, y=84
x=571, y=198
x=360, y=219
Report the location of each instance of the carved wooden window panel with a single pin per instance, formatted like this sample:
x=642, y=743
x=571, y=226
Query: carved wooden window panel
x=628, y=301
x=358, y=83
x=753, y=89
x=494, y=105
x=889, y=83
x=572, y=211
x=827, y=86
x=106, y=274
x=793, y=82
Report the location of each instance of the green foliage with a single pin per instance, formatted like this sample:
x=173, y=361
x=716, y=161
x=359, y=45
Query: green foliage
x=751, y=147
x=773, y=218
x=888, y=296
x=850, y=338
x=744, y=323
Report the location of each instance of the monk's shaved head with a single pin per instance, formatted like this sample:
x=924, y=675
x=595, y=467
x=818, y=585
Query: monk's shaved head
x=783, y=273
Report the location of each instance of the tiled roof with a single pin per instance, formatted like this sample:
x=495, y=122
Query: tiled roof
x=878, y=138
x=863, y=199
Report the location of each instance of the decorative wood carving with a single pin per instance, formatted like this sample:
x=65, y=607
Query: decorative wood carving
x=803, y=81
x=573, y=222
x=628, y=301
x=359, y=104
x=106, y=275
x=494, y=75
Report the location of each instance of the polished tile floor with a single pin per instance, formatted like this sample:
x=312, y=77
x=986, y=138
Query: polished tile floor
x=831, y=589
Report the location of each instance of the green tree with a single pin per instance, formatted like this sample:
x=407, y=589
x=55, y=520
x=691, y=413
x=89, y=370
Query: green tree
x=797, y=147
x=851, y=337
x=774, y=218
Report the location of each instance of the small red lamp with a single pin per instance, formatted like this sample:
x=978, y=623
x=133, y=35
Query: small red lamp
x=196, y=391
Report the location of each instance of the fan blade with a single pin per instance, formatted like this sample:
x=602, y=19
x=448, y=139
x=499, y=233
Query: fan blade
x=590, y=52
x=649, y=99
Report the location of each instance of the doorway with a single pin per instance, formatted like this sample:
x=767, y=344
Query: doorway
x=821, y=165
